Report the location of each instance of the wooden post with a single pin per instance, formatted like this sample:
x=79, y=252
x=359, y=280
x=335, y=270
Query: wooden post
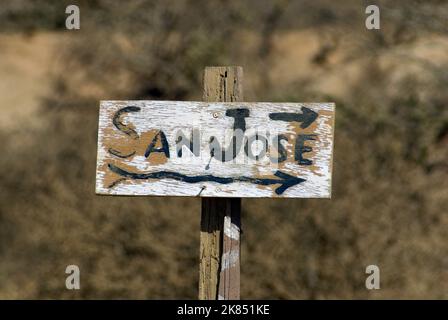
x=219, y=270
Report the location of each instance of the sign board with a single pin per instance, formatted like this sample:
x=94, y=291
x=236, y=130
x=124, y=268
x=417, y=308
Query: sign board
x=238, y=149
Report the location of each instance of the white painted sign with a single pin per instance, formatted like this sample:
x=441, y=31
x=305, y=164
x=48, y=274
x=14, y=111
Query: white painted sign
x=173, y=148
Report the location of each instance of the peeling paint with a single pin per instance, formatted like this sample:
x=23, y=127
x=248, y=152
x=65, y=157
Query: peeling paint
x=172, y=116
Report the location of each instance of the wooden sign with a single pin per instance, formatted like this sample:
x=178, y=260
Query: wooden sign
x=173, y=148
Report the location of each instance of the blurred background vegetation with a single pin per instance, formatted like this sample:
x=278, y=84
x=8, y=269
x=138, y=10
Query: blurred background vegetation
x=390, y=186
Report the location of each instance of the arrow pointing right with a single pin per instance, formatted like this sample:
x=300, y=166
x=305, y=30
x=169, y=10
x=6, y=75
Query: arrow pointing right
x=306, y=118
x=285, y=181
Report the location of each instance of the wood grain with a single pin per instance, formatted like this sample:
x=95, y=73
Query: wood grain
x=219, y=272
x=124, y=138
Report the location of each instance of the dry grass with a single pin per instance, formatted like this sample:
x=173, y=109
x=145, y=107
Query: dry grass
x=390, y=163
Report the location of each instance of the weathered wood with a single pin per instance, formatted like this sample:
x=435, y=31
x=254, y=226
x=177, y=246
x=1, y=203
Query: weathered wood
x=173, y=148
x=132, y=134
x=229, y=275
x=219, y=271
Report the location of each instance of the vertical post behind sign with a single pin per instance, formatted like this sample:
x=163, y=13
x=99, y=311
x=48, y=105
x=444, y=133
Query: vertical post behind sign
x=219, y=270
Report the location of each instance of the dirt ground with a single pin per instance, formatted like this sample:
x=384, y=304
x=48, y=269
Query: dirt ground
x=25, y=65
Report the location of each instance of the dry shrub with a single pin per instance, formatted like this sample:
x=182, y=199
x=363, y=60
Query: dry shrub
x=390, y=174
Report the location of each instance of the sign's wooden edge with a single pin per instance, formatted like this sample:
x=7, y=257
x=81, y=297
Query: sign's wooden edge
x=333, y=106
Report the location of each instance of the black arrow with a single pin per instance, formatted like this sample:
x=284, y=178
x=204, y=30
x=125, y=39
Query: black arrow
x=307, y=117
x=285, y=180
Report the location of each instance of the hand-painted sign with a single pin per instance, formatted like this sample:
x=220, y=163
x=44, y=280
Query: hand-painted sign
x=172, y=148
